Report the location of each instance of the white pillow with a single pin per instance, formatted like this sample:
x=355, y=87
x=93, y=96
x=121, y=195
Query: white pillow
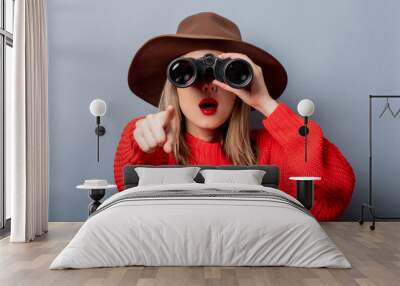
x=163, y=176
x=249, y=177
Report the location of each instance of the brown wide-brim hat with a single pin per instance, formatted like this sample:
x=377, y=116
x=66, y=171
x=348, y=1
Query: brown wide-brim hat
x=148, y=70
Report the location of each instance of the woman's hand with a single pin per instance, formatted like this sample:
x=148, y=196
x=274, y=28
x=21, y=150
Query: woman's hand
x=155, y=130
x=258, y=96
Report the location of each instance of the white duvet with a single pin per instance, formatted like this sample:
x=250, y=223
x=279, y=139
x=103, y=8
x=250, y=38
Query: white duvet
x=182, y=231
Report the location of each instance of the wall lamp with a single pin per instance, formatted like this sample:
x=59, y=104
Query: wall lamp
x=306, y=109
x=98, y=108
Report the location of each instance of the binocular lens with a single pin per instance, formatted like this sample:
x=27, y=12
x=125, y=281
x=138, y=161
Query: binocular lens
x=238, y=72
x=181, y=72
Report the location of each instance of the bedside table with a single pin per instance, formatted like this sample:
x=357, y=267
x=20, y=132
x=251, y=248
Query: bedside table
x=305, y=190
x=96, y=193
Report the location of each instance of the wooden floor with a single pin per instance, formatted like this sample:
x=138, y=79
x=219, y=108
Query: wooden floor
x=374, y=255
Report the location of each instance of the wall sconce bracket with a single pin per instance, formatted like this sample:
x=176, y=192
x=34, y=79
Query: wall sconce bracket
x=303, y=130
x=100, y=130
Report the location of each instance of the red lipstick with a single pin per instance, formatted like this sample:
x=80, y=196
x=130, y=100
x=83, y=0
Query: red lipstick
x=208, y=106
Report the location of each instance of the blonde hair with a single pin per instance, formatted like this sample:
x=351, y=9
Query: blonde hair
x=235, y=132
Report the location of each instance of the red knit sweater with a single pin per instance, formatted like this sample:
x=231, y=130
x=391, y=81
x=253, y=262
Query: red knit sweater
x=279, y=143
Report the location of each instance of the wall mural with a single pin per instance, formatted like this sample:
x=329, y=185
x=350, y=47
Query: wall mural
x=206, y=80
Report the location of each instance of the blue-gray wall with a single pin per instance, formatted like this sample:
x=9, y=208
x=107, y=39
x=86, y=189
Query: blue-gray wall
x=335, y=52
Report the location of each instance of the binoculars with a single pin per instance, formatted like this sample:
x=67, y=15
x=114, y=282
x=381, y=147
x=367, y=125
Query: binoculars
x=184, y=71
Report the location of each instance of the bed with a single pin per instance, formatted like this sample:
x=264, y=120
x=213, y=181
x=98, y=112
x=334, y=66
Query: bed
x=201, y=224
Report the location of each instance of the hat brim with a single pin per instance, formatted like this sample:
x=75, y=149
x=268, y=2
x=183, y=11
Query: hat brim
x=147, y=72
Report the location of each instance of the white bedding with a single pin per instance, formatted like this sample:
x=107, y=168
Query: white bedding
x=190, y=230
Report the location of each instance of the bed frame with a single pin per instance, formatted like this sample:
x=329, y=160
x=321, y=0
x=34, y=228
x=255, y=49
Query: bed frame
x=270, y=179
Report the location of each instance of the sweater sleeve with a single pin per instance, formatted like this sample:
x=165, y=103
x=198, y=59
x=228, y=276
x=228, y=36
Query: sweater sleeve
x=333, y=192
x=129, y=152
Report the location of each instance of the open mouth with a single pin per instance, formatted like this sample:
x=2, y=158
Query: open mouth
x=208, y=106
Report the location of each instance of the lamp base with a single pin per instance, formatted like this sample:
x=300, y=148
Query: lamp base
x=305, y=190
x=305, y=193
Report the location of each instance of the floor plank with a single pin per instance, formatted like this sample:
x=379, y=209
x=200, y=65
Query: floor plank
x=374, y=255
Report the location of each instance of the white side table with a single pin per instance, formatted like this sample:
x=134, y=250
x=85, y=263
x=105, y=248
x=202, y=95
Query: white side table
x=305, y=190
x=96, y=193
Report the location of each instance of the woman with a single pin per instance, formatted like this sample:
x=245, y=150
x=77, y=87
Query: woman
x=208, y=123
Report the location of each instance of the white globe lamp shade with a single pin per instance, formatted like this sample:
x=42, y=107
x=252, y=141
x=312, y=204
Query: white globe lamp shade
x=98, y=107
x=306, y=107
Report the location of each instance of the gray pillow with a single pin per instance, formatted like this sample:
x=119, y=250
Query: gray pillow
x=249, y=177
x=163, y=176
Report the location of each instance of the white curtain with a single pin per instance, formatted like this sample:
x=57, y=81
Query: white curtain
x=27, y=123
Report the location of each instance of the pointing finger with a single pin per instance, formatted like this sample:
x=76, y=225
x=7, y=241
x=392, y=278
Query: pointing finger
x=167, y=115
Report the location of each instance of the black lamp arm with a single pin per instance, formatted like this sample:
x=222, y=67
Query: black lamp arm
x=100, y=131
x=303, y=131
